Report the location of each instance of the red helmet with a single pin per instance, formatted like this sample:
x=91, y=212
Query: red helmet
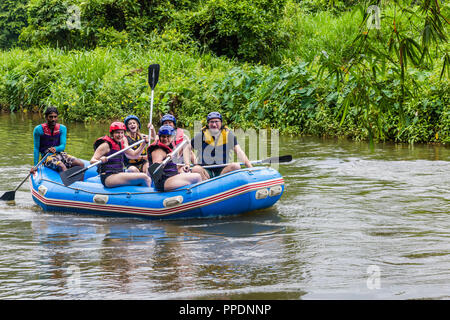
x=117, y=126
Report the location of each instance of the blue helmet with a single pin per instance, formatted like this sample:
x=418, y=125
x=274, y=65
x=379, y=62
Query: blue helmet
x=166, y=130
x=168, y=117
x=131, y=117
x=214, y=115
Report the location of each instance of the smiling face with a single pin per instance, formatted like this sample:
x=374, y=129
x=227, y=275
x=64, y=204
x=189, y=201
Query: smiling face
x=170, y=123
x=165, y=139
x=117, y=135
x=133, y=126
x=52, y=118
x=214, y=126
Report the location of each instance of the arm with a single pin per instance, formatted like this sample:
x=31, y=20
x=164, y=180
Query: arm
x=152, y=131
x=241, y=156
x=99, y=153
x=62, y=139
x=158, y=155
x=136, y=154
x=37, y=132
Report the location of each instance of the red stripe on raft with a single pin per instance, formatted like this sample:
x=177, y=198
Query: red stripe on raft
x=158, y=211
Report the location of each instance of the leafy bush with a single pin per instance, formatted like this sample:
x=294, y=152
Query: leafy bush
x=243, y=29
x=13, y=17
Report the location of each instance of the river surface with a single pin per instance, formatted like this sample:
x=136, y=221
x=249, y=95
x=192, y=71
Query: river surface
x=354, y=222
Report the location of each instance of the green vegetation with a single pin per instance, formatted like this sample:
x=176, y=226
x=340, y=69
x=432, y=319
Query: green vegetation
x=305, y=67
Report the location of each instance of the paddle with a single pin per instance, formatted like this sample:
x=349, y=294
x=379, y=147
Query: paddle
x=282, y=159
x=153, y=76
x=155, y=169
x=75, y=174
x=10, y=195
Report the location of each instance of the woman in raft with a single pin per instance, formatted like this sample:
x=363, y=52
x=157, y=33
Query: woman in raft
x=170, y=178
x=111, y=171
x=132, y=135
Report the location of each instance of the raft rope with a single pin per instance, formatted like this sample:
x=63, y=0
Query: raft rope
x=152, y=192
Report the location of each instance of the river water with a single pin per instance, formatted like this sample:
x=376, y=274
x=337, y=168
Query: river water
x=354, y=222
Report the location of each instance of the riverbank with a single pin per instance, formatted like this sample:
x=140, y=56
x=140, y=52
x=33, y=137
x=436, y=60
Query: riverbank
x=110, y=83
x=313, y=85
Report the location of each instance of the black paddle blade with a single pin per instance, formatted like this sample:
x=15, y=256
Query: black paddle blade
x=72, y=175
x=155, y=171
x=153, y=75
x=281, y=159
x=8, y=196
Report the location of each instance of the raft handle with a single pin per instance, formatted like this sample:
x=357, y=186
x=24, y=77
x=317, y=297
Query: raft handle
x=173, y=201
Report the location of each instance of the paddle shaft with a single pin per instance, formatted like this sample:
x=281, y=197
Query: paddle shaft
x=29, y=173
x=151, y=114
x=107, y=158
x=268, y=161
x=170, y=155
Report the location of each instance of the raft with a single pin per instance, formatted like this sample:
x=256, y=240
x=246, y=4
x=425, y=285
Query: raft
x=234, y=193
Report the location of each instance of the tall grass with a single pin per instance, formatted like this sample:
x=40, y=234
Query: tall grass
x=318, y=33
x=103, y=83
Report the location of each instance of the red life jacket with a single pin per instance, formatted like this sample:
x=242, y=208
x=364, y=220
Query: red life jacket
x=114, y=164
x=50, y=138
x=113, y=145
x=179, y=136
x=171, y=168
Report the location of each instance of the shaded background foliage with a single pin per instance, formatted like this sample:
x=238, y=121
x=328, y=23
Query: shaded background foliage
x=304, y=67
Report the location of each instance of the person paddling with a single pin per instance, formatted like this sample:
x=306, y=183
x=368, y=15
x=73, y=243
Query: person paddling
x=50, y=137
x=111, y=171
x=214, y=144
x=133, y=134
x=187, y=156
x=171, y=178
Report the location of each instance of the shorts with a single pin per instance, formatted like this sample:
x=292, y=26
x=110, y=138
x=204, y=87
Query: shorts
x=214, y=172
x=138, y=165
x=159, y=184
x=53, y=161
x=105, y=175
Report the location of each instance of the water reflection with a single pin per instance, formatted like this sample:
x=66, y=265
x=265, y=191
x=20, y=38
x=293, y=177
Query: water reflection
x=166, y=257
x=346, y=207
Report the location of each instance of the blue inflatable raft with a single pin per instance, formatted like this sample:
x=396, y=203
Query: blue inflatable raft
x=233, y=193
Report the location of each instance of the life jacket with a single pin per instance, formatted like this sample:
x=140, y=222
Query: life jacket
x=171, y=168
x=223, y=137
x=51, y=138
x=114, y=164
x=179, y=136
x=144, y=152
x=214, y=150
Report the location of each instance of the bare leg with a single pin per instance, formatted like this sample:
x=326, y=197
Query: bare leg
x=180, y=180
x=203, y=173
x=127, y=179
x=231, y=167
x=77, y=162
x=132, y=169
x=145, y=167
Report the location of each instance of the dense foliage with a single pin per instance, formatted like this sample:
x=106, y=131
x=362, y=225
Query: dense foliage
x=305, y=67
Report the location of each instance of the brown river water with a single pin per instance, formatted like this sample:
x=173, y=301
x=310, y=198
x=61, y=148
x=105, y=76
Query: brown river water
x=354, y=222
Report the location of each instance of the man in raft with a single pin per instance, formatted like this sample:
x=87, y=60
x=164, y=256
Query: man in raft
x=170, y=178
x=111, y=171
x=50, y=137
x=214, y=145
